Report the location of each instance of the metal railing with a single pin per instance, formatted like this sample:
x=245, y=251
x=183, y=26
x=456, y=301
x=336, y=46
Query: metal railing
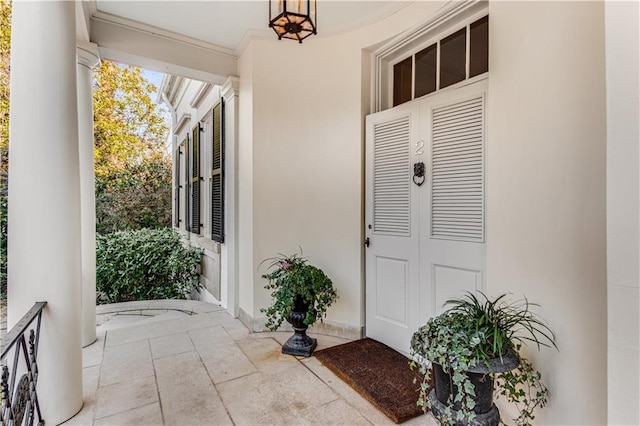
x=20, y=401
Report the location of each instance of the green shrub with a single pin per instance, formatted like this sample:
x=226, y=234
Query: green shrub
x=145, y=264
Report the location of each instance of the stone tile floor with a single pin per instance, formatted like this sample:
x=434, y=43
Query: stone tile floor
x=190, y=363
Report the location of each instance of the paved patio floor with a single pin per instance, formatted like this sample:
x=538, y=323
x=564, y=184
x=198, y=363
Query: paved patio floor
x=190, y=363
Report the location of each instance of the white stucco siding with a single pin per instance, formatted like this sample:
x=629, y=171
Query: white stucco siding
x=546, y=189
x=623, y=211
x=308, y=154
x=246, y=265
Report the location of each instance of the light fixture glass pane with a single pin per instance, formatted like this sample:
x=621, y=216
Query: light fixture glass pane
x=452, y=58
x=479, y=47
x=426, y=68
x=276, y=7
x=297, y=6
x=402, y=81
x=297, y=19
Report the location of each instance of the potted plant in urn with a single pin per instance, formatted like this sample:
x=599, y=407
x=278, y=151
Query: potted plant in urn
x=301, y=294
x=471, y=351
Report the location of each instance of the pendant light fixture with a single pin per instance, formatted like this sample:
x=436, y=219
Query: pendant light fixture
x=294, y=19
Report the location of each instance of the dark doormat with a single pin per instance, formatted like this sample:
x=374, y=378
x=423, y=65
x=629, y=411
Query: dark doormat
x=380, y=374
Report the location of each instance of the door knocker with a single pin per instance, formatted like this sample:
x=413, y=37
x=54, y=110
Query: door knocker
x=418, y=173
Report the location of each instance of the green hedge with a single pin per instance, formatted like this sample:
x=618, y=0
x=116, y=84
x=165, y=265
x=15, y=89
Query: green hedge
x=145, y=264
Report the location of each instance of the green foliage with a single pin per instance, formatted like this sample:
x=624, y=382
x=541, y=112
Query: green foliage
x=473, y=332
x=128, y=126
x=145, y=264
x=523, y=387
x=5, y=67
x=132, y=166
x=292, y=277
x=134, y=198
x=499, y=324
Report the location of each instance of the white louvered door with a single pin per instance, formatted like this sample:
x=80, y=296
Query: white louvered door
x=392, y=228
x=452, y=244
x=426, y=242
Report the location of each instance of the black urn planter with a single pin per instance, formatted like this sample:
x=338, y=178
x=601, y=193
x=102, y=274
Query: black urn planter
x=487, y=413
x=299, y=344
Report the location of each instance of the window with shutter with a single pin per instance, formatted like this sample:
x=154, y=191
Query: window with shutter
x=176, y=187
x=217, y=174
x=195, y=180
x=458, y=171
x=186, y=144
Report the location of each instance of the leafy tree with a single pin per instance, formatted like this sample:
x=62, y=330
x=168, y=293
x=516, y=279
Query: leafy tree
x=133, y=168
x=5, y=46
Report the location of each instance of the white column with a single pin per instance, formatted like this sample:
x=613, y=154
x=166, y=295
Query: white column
x=88, y=58
x=229, y=255
x=44, y=196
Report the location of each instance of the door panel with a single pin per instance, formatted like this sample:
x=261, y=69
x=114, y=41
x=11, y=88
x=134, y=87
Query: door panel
x=451, y=281
x=452, y=247
x=392, y=290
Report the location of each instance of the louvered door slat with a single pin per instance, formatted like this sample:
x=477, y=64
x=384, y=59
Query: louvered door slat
x=457, y=184
x=457, y=107
x=391, y=195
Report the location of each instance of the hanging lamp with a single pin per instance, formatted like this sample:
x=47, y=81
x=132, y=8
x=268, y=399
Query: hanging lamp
x=294, y=19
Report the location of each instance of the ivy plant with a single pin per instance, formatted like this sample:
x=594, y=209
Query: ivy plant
x=474, y=331
x=290, y=277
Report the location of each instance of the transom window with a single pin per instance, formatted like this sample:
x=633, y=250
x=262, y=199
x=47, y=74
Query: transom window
x=459, y=56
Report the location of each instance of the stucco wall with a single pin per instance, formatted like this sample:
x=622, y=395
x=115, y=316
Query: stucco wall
x=623, y=211
x=546, y=189
x=308, y=180
x=307, y=142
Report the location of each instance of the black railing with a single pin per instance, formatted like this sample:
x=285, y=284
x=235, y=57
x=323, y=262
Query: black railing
x=20, y=401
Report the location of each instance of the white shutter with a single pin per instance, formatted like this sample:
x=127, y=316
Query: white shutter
x=457, y=183
x=392, y=181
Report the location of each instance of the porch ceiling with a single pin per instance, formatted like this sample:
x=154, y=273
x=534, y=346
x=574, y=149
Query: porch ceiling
x=226, y=23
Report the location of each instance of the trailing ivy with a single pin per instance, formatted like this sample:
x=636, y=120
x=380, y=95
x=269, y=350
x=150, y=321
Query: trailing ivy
x=291, y=277
x=145, y=264
x=473, y=331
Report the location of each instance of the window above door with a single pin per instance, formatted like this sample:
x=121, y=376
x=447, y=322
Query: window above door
x=457, y=57
x=450, y=50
